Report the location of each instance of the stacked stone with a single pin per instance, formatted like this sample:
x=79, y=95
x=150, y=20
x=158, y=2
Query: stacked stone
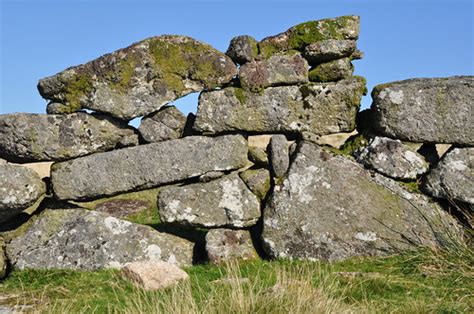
x=242, y=164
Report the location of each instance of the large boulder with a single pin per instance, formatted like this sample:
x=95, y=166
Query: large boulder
x=81, y=239
x=166, y=124
x=146, y=166
x=279, y=69
x=301, y=35
x=453, y=176
x=318, y=108
x=28, y=137
x=225, y=202
x=329, y=208
x=140, y=79
x=393, y=158
x=329, y=50
x=436, y=110
x=20, y=188
x=225, y=245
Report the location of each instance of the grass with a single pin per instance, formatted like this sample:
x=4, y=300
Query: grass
x=422, y=282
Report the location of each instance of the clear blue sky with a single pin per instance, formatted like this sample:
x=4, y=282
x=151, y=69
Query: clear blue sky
x=401, y=39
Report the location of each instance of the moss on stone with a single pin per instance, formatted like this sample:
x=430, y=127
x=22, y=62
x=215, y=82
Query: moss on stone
x=240, y=94
x=75, y=90
x=353, y=144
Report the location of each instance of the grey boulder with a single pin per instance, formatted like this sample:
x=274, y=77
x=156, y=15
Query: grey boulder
x=242, y=49
x=434, y=110
x=80, y=239
x=279, y=155
x=258, y=181
x=318, y=108
x=329, y=50
x=279, y=69
x=224, y=245
x=28, y=137
x=393, y=158
x=146, y=166
x=166, y=124
x=140, y=79
x=331, y=71
x=224, y=202
x=453, y=176
x=20, y=187
x=329, y=208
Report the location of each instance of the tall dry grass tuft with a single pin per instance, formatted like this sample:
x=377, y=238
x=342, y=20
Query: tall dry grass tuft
x=293, y=291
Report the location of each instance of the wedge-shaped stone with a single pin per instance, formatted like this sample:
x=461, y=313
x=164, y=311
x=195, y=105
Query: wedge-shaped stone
x=27, y=137
x=225, y=202
x=301, y=35
x=435, y=110
x=87, y=240
x=318, y=108
x=166, y=124
x=140, y=79
x=146, y=166
x=20, y=188
x=329, y=208
x=279, y=69
x=453, y=176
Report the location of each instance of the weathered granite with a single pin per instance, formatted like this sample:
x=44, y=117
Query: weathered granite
x=329, y=208
x=258, y=181
x=20, y=188
x=278, y=155
x=146, y=166
x=453, y=176
x=328, y=50
x=301, y=35
x=224, y=202
x=166, y=124
x=3, y=259
x=28, y=137
x=280, y=69
x=242, y=49
x=81, y=239
x=225, y=245
x=140, y=79
x=435, y=110
x=319, y=108
x=393, y=158
x=331, y=71
x=154, y=275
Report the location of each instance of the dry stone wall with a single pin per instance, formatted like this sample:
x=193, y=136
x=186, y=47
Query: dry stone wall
x=250, y=170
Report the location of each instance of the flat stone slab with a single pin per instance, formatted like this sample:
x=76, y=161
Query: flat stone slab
x=20, y=188
x=224, y=202
x=81, y=239
x=29, y=137
x=154, y=275
x=453, y=176
x=434, y=110
x=146, y=166
x=329, y=208
x=140, y=79
x=318, y=108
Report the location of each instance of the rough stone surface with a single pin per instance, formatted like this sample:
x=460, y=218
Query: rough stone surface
x=87, y=240
x=154, y=275
x=393, y=158
x=28, y=137
x=329, y=50
x=242, y=49
x=334, y=140
x=121, y=208
x=225, y=202
x=436, y=110
x=301, y=35
x=258, y=156
x=453, y=177
x=209, y=176
x=319, y=108
x=331, y=71
x=140, y=79
x=224, y=245
x=3, y=259
x=166, y=124
x=279, y=69
x=146, y=166
x=20, y=188
x=258, y=181
x=278, y=154
x=329, y=208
